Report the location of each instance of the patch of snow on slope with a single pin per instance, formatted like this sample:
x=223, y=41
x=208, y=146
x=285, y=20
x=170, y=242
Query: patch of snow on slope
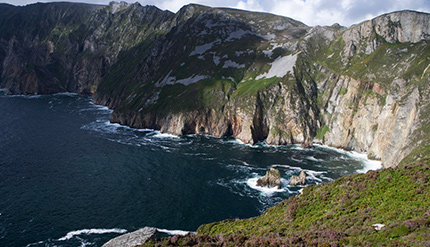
x=280, y=67
x=232, y=64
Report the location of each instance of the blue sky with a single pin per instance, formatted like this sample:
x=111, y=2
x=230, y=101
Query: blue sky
x=311, y=12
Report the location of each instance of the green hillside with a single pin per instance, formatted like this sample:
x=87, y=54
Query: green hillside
x=339, y=213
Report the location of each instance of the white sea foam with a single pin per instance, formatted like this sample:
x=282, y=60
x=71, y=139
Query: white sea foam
x=234, y=141
x=368, y=164
x=252, y=183
x=66, y=94
x=71, y=234
x=174, y=232
x=371, y=165
x=287, y=166
x=299, y=147
x=99, y=107
x=297, y=160
x=158, y=134
x=37, y=243
x=316, y=176
x=312, y=158
x=35, y=96
x=238, y=142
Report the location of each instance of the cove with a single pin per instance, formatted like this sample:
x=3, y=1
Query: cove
x=68, y=177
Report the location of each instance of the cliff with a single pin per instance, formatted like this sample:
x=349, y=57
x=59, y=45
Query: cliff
x=69, y=47
x=361, y=88
x=226, y=72
x=388, y=207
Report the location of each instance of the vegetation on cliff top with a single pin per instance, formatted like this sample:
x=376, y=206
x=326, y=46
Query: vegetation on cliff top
x=335, y=214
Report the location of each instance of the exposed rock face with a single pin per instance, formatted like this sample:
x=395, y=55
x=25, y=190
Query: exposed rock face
x=68, y=47
x=300, y=180
x=132, y=239
x=206, y=71
x=271, y=179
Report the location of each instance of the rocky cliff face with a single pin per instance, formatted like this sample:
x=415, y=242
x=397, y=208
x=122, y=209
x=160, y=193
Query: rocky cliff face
x=255, y=76
x=67, y=47
x=377, y=99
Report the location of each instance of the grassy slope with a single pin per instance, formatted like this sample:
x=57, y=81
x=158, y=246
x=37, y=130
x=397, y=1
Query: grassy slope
x=337, y=213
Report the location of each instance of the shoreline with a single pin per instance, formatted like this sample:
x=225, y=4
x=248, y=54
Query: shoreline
x=370, y=164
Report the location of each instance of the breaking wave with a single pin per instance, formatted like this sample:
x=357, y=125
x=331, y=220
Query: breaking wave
x=72, y=234
x=173, y=232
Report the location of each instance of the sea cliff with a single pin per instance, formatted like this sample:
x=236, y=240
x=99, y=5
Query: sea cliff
x=226, y=72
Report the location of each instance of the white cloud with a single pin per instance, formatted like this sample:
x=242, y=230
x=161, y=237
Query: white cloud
x=310, y=12
x=313, y=12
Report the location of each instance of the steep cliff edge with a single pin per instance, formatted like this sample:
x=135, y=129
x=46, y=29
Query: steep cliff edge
x=226, y=72
x=375, y=97
x=388, y=207
x=361, y=88
x=69, y=47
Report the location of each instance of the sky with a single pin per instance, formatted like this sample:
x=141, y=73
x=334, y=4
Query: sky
x=310, y=12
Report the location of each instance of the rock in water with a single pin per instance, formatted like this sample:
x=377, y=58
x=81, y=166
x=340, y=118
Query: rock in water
x=271, y=179
x=131, y=239
x=300, y=180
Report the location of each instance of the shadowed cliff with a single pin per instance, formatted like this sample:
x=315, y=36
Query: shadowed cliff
x=255, y=76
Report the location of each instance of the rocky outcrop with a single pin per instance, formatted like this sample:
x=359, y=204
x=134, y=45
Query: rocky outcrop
x=132, y=239
x=205, y=71
x=382, y=130
x=271, y=179
x=373, y=107
x=402, y=26
x=298, y=180
x=67, y=47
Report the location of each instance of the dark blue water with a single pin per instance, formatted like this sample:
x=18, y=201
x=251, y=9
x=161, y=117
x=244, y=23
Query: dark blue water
x=69, y=178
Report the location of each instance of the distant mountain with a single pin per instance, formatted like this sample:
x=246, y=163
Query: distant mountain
x=254, y=76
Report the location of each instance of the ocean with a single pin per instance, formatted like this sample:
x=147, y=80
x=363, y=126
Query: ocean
x=68, y=177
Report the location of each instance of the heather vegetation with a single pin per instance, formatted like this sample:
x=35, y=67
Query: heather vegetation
x=340, y=213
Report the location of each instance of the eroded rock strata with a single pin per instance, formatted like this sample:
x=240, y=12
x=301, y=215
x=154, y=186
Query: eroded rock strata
x=225, y=72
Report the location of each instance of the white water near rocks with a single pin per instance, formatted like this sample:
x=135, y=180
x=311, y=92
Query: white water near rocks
x=73, y=169
x=72, y=234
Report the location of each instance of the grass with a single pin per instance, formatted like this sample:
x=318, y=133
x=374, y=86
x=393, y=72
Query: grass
x=335, y=214
x=252, y=86
x=321, y=132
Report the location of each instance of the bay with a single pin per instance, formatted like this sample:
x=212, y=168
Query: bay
x=68, y=177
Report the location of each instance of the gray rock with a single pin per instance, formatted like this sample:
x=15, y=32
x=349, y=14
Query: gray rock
x=131, y=239
x=271, y=179
x=300, y=180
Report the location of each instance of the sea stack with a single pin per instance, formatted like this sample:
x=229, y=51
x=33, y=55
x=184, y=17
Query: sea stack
x=300, y=180
x=271, y=179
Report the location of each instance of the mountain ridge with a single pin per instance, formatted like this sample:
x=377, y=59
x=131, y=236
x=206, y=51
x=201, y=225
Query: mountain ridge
x=220, y=71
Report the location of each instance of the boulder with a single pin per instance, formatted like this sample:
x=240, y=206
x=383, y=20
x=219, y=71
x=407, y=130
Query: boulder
x=136, y=238
x=300, y=180
x=271, y=179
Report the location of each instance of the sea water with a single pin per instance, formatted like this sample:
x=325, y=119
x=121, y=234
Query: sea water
x=68, y=177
